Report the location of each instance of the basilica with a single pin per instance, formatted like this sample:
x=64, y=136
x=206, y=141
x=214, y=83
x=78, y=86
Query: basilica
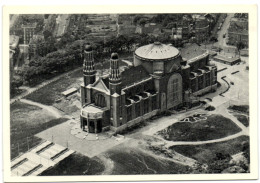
x=161, y=78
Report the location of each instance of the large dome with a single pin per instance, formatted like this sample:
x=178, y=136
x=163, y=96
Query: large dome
x=157, y=51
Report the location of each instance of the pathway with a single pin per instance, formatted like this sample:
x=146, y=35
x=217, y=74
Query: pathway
x=230, y=137
x=222, y=41
x=108, y=163
x=51, y=109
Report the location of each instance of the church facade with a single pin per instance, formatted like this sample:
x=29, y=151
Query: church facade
x=160, y=79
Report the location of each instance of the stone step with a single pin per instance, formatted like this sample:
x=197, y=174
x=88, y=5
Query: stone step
x=33, y=170
x=41, y=146
x=17, y=162
x=59, y=154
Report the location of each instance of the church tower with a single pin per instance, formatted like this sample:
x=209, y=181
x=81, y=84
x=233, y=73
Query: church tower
x=115, y=91
x=89, y=75
x=89, y=71
x=115, y=76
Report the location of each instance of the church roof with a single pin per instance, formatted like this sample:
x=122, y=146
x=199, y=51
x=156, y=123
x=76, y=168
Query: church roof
x=106, y=81
x=130, y=76
x=133, y=74
x=157, y=51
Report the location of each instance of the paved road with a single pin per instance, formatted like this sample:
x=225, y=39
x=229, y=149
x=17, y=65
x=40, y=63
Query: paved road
x=222, y=41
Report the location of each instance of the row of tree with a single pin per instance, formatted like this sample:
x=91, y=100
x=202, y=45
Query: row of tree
x=53, y=63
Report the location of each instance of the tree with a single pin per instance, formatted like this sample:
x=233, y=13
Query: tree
x=16, y=83
x=136, y=19
x=240, y=45
x=219, y=163
x=142, y=21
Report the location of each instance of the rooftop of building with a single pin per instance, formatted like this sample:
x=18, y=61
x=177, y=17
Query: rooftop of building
x=192, y=51
x=133, y=75
x=29, y=25
x=157, y=51
x=239, y=27
x=226, y=59
x=130, y=76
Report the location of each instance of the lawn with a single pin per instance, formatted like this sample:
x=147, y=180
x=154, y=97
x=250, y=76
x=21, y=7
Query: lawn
x=76, y=164
x=243, y=119
x=51, y=92
x=26, y=121
x=240, y=108
x=215, y=127
x=132, y=162
x=206, y=153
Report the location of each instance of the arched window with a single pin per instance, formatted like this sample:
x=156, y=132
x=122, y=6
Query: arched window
x=100, y=100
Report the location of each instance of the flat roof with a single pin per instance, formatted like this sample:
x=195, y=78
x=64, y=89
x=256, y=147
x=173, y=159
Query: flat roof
x=69, y=91
x=92, y=112
x=227, y=59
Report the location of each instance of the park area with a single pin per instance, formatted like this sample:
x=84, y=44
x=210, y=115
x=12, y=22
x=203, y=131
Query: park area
x=200, y=128
x=206, y=152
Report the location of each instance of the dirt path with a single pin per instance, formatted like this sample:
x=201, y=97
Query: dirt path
x=51, y=109
x=230, y=137
x=108, y=163
x=139, y=145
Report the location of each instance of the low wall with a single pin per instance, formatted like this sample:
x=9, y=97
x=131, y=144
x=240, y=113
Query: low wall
x=205, y=90
x=134, y=121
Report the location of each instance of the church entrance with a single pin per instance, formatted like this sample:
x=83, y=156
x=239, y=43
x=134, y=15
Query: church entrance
x=95, y=126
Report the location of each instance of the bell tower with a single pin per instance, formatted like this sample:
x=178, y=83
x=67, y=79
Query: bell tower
x=89, y=71
x=115, y=91
x=89, y=75
x=115, y=76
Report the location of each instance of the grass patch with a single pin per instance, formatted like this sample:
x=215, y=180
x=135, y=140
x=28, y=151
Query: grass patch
x=240, y=108
x=135, y=162
x=49, y=93
x=243, y=119
x=215, y=127
x=206, y=152
x=76, y=164
x=26, y=121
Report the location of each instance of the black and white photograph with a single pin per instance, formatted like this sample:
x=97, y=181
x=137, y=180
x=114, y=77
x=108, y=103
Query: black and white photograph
x=94, y=94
